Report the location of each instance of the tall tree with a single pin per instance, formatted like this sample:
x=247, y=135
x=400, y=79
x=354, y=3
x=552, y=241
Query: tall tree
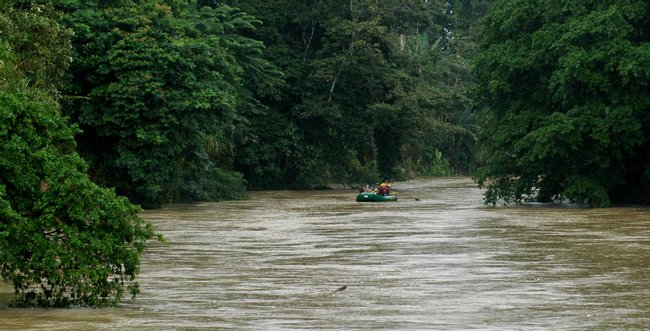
x=63, y=239
x=162, y=93
x=566, y=101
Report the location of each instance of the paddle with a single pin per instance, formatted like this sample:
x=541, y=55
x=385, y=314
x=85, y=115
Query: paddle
x=400, y=192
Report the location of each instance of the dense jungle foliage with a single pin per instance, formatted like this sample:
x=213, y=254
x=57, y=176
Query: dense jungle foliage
x=371, y=88
x=566, y=91
x=188, y=100
x=200, y=100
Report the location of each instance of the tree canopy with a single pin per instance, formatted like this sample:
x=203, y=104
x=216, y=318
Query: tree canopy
x=564, y=87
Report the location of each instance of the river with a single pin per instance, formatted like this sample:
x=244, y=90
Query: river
x=443, y=261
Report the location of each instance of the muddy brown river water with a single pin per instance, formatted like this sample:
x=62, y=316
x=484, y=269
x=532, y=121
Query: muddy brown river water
x=445, y=262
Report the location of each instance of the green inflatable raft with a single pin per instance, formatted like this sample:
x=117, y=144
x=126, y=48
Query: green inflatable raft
x=374, y=197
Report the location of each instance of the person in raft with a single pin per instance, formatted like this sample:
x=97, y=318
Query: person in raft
x=384, y=187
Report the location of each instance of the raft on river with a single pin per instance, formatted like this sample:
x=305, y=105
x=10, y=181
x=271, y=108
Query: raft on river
x=374, y=197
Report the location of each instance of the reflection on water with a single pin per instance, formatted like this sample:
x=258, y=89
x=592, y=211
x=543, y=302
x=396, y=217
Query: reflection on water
x=443, y=262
